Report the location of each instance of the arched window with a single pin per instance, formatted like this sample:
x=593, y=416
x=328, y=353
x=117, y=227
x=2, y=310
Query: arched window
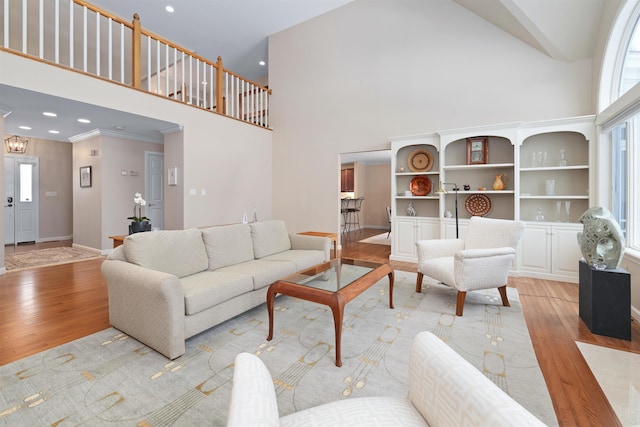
x=620, y=119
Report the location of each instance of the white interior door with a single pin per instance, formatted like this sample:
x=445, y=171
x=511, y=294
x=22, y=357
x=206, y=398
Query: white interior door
x=154, y=189
x=22, y=188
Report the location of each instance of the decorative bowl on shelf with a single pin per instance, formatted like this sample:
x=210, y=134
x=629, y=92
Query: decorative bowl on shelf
x=420, y=161
x=478, y=204
x=420, y=186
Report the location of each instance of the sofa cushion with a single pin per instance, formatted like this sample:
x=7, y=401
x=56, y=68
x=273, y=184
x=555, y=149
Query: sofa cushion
x=269, y=237
x=228, y=245
x=210, y=288
x=302, y=258
x=178, y=252
x=263, y=272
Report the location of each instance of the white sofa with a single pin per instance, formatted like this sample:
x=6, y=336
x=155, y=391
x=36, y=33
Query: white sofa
x=167, y=286
x=444, y=390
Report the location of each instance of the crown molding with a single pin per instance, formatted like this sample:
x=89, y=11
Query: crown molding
x=115, y=134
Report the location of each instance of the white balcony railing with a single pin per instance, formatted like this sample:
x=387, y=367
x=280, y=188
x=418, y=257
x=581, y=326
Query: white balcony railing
x=75, y=34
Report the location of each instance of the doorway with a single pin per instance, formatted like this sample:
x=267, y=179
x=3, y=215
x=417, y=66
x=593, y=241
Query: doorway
x=21, y=199
x=154, y=188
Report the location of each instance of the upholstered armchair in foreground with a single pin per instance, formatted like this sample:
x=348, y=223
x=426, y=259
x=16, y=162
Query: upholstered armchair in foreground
x=479, y=261
x=444, y=390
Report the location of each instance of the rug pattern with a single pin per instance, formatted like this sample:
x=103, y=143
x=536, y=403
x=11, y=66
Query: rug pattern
x=110, y=379
x=44, y=257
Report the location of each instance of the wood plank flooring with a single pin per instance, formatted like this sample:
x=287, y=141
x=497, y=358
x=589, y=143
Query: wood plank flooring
x=48, y=306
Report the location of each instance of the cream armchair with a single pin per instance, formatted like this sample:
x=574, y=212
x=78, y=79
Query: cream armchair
x=479, y=261
x=444, y=390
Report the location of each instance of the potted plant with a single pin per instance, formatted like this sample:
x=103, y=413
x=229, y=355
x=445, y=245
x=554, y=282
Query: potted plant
x=138, y=222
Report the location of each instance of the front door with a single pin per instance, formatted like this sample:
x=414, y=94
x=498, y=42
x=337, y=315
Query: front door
x=21, y=201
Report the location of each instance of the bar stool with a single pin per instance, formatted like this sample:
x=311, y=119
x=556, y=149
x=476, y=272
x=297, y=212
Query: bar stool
x=353, y=213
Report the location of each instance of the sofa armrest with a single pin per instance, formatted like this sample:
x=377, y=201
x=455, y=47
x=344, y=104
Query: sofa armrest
x=253, y=397
x=304, y=242
x=448, y=390
x=147, y=305
x=438, y=248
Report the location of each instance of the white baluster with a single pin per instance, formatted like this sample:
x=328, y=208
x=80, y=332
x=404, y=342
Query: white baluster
x=24, y=26
x=110, y=48
x=71, y=4
x=84, y=39
x=97, y=44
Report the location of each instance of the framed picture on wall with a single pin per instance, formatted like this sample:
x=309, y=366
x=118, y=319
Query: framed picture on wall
x=477, y=150
x=85, y=176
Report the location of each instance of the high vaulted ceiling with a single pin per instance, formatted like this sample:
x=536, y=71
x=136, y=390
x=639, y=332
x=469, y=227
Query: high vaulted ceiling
x=238, y=30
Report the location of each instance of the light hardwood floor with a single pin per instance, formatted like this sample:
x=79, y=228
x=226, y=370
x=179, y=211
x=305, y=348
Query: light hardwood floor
x=46, y=307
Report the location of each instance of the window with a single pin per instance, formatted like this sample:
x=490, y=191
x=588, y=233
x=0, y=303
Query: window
x=622, y=120
x=26, y=182
x=619, y=168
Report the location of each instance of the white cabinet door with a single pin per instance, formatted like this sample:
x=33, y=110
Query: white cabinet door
x=407, y=231
x=550, y=251
x=535, y=249
x=428, y=229
x=566, y=250
x=404, y=238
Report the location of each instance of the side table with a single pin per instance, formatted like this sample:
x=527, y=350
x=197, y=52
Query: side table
x=117, y=240
x=332, y=236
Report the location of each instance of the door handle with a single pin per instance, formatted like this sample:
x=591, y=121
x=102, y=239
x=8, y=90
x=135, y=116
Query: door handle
x=8, y=206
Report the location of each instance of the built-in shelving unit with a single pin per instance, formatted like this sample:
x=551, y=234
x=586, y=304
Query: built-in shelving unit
x=545, y=167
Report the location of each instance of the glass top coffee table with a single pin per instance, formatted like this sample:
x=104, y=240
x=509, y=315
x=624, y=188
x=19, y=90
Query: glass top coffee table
x=333, y=283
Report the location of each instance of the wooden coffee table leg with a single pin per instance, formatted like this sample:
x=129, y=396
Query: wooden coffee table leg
x=271, y=295
x=337, y=307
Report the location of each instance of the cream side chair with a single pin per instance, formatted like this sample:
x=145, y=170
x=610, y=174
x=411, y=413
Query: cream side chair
x=479, y=261
x=444, y=390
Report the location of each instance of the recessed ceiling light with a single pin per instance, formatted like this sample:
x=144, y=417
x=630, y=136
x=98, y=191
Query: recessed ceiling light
x=169, y=9
x=262, y=63
x=54, y=131
x=49, y=114
x=84, y=120
x=24, y=127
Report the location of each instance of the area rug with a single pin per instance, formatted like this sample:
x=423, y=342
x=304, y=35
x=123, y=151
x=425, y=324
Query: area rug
x=110, y=379
x=380, y=239
x=618, y=374
x=45, y=257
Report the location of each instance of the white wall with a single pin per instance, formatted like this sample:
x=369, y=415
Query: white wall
x=349, y=79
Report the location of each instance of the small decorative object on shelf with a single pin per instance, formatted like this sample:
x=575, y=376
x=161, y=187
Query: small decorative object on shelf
x=539, y=215
x=411, y=210
x=245, y=218
x=500, y=182
x=401, y=169
x=139, y=223
x=601, y=241
x=477, y=151
x=466, y=187
x=550, y=187
x=255, y=215
x=563, y=160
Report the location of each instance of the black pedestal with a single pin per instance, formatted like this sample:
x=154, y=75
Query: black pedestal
x=605, y=301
